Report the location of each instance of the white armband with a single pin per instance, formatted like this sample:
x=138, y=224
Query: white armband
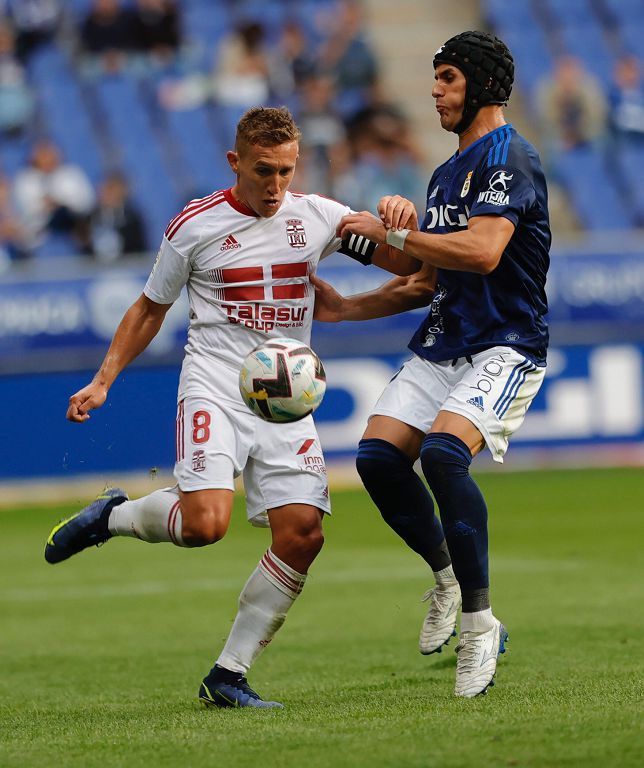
x=397, y=237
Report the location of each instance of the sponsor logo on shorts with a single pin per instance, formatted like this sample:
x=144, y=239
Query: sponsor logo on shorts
x=198, y=461
x=491, y=370
x=477, y=402
x=315, y=464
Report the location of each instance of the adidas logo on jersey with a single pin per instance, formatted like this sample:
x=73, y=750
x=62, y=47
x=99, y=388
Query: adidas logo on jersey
x=230, y=244
x=477, y=402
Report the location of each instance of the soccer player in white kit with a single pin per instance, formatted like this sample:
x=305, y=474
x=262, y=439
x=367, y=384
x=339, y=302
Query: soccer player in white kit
x=246, y=255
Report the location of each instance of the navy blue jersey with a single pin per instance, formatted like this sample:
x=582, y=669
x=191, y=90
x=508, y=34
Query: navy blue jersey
x=498, y=175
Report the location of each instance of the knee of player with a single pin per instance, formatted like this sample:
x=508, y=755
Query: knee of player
x=304, y=540
x=374, y=459
x=444, y=454
x=310, y=540
x=205, y=528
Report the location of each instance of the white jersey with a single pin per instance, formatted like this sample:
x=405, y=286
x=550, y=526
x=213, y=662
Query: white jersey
x=247, y=279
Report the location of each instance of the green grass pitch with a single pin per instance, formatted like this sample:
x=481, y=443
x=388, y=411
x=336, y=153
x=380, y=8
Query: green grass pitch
x=102, y=655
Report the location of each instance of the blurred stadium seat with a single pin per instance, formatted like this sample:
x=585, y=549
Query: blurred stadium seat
x=597, y=32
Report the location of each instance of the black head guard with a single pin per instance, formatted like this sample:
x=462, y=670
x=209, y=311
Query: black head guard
x=488, y=67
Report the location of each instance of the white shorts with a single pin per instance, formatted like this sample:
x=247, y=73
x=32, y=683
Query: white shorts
x=281, y=463
x=493, y=392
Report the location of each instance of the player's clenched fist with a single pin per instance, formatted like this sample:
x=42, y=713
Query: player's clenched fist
x=397, y=212
x=90, y=397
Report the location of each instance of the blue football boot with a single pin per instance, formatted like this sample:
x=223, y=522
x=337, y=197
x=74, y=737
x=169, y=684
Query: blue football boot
x=223, y=688
x=84, y=529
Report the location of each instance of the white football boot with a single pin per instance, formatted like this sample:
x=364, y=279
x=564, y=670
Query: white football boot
x=476, y=659
x=440, y=622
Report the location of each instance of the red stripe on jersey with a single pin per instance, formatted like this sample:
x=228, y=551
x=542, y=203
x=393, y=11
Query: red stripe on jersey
x=298, y=269
x=189, y=207
x=189, y=214
x=289, y=291
x=243, y=292
x=306, y=445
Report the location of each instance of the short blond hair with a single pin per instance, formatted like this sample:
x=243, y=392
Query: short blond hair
x=267, y=127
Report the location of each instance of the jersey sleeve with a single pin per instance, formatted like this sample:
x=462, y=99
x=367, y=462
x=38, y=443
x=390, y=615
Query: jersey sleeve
x=503, y=191
x=168, y=276
x=354, y=246
x=332, y=212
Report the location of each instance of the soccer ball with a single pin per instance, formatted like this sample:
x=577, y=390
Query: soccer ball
x=282, y=380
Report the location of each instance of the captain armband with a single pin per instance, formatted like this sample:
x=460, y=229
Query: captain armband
x=358, y=248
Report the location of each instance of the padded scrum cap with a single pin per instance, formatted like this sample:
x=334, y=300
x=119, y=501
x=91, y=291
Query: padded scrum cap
x=488, y=67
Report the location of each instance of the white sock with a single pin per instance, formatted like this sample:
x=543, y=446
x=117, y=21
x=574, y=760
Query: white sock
x=445, y=577
x=263, y=603
x=153, y=518
x=479, y=621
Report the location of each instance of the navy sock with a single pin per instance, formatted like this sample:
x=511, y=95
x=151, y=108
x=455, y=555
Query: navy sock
x=403, y=500
x=446, y=462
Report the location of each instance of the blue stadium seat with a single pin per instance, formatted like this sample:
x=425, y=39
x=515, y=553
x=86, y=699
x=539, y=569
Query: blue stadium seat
x=137, y=149
x=56, y=245
x=206, y=25
x=632, y=36
x=514, y=14
x=531, y=53
x=64, y=112
x=631, y=167
x=592, y=189
x=587, y=42
x=626, y=12
x=14, y=154
x=570, y=12
x=200, y=148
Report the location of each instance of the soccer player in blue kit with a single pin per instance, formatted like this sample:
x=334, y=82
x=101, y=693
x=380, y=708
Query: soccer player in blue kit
x=479, y=355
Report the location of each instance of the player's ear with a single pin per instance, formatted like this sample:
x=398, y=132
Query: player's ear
x=233, y=160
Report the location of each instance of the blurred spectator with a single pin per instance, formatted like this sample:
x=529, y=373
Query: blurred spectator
x=51, y=195
x=157, y=28
x=16, y=98
x=241, y=76
x=242, y=71
x=348, y=57
x=294, y=52
x=322, y=129
x=12, y=239
x=572, y=105
x=627, y=101
x=108, y=34
x=35, y=22
x=115, y=226
x=385, y=161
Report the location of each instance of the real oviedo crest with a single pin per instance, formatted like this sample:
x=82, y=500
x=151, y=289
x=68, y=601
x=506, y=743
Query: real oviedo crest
x=295, y=233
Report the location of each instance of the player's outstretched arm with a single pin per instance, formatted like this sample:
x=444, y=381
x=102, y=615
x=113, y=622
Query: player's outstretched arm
x=476, y=249
x=140, y=324
x=394, y=211
x=391, y=298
